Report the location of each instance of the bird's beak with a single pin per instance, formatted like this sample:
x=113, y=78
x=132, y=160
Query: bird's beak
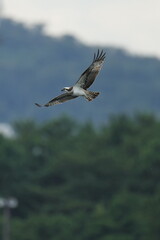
x=62, y=89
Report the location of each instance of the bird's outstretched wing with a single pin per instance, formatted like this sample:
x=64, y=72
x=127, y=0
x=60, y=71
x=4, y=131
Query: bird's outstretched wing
x=89, y=75
x=57, y=100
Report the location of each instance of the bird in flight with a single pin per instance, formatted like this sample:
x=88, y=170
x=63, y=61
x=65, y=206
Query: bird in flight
x=83, y=83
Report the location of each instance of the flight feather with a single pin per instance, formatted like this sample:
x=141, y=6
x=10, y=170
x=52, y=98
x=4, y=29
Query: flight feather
x=89, y=75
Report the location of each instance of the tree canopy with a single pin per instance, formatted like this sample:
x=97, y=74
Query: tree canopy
x=77, y=181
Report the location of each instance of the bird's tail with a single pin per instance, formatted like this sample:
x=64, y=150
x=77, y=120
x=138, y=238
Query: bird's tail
x=91, y=95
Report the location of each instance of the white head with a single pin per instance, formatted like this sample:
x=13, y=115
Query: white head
x=67, y=89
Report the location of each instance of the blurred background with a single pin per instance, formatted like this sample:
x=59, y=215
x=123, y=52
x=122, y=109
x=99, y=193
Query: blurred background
x=80, y=170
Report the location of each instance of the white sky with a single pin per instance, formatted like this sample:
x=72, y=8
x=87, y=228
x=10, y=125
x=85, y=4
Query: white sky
x=132, y=24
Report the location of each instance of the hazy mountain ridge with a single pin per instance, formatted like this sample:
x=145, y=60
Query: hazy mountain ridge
x=34, y=67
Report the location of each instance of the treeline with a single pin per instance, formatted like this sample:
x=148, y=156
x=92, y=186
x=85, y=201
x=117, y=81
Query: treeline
x=76, y=181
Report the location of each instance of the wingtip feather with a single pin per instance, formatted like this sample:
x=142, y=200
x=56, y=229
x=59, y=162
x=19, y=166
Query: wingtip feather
x=38, y=105
x=46, y=105
x=99, y=56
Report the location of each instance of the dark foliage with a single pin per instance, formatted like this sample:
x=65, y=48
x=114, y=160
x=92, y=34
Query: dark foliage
x=74, y=181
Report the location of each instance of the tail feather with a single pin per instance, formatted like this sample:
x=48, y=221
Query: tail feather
x=91, y=95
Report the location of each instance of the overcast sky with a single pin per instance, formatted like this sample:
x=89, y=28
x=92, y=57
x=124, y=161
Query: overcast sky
x=132, y=24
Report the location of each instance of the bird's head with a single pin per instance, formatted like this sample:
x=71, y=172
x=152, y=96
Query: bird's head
x=67, y=89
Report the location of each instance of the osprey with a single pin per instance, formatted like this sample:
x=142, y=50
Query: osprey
x=81, y=86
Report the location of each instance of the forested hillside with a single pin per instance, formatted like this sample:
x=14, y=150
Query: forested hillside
x=74, y=181
x=34, y=67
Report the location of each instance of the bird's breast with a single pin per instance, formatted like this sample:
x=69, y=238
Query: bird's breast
x=77, y=91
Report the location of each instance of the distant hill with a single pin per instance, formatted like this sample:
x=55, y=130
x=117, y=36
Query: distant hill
x=34, y=67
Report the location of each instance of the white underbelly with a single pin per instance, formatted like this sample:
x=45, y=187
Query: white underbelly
x=78, y=91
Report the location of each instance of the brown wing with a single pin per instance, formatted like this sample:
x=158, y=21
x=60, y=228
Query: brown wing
x=57, y=100
x=89, y=75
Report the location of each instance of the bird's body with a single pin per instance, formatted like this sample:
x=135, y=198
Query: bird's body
x=78, y=91
x=81, y=86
